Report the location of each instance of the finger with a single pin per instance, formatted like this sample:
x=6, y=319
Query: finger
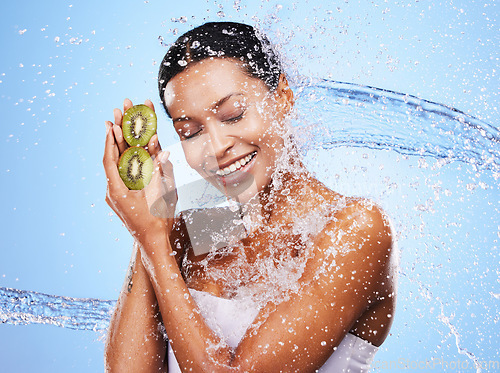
x=110, y=160
x=168, y=181
x=117, y=113
x=160, y=194
x=154, y=146
x=155, y=189
x=110, y=150
x=167, y=170
x=164, y=171
x=156, y=178
x=149, y=104
x=127, y=104
x=120, y=140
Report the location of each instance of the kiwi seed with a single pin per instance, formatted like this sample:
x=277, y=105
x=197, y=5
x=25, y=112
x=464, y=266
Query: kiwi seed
x=139, y=125
x=135, y=167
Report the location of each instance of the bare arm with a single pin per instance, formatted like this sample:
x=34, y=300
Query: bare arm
x=356, y=247
x=135, y=342
x=298, y=334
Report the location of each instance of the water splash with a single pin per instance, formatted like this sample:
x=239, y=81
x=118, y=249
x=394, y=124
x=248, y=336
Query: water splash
x=20, y=307
x=383, y=119
x=445, y=319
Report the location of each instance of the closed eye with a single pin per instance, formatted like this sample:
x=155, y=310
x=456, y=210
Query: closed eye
x=189, y=135
x=235, y=119
x=187, y=130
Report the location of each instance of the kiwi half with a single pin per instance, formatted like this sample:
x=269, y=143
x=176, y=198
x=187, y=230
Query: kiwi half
x=139, y=125
x=135, y=167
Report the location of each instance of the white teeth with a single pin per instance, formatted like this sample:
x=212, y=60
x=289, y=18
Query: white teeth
x=235, y=166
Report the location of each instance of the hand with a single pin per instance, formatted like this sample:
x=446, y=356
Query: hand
x=139, y=209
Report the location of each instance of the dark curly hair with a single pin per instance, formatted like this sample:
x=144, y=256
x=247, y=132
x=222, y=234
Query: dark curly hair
x=222, y=40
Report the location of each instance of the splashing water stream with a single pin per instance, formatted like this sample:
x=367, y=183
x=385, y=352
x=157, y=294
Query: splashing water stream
x=394, y=121
x=28, y=307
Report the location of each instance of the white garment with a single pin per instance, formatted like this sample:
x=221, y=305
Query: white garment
x=230, y=318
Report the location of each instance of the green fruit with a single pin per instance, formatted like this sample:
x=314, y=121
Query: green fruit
x=135, y=167
x=139, y=125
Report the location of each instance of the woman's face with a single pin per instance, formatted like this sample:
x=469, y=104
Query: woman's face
x=229, y=124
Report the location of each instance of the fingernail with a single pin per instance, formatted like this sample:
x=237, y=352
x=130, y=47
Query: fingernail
x=164, y=156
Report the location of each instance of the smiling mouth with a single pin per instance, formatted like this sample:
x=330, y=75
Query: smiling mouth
x=236, y=165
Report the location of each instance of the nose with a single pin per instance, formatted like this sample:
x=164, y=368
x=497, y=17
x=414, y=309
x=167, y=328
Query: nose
x=220, y=139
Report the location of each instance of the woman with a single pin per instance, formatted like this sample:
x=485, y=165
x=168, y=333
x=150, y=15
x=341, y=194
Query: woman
x=310, y=282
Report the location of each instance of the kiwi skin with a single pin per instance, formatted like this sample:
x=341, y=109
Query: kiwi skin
x=138, y=125
x=135, y=167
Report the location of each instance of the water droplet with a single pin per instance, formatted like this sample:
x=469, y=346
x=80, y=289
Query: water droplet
x=75, y=41
x=471, y=186
x=182, y=19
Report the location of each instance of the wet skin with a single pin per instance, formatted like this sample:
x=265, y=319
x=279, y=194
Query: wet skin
x=222, y=115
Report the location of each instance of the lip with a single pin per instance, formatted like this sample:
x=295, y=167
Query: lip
x=221, y=166
x=239, y=175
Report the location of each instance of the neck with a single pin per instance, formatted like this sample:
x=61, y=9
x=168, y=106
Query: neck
x=276, y=198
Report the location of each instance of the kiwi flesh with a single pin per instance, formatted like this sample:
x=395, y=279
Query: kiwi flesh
x=135, y=167
x=139, y=125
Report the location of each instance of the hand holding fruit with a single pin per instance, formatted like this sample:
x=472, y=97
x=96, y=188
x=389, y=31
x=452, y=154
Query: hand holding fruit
x=135, y=169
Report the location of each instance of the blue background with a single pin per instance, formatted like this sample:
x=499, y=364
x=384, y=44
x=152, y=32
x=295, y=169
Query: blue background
x=66, y=65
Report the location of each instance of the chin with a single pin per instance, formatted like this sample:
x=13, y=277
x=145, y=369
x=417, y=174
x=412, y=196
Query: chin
x=243, y=192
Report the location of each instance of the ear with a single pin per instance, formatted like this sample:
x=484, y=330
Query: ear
x=284, y=95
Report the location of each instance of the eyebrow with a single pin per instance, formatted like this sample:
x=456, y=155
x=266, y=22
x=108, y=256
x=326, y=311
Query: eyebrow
x=213, y=107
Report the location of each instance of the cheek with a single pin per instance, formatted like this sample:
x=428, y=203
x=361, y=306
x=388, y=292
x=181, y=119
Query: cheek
x=193, y=154
x=257, y=128
x=198, y=154
x=268, y=133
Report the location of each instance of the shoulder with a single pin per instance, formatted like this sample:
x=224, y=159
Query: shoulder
x=357, y=235
x=357, y=224
x=355, y=251
x=352, y=214
x=364, y=217
x=357, y=220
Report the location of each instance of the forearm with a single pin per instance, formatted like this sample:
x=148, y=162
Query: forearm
x=196, y=346
x=135, y=342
